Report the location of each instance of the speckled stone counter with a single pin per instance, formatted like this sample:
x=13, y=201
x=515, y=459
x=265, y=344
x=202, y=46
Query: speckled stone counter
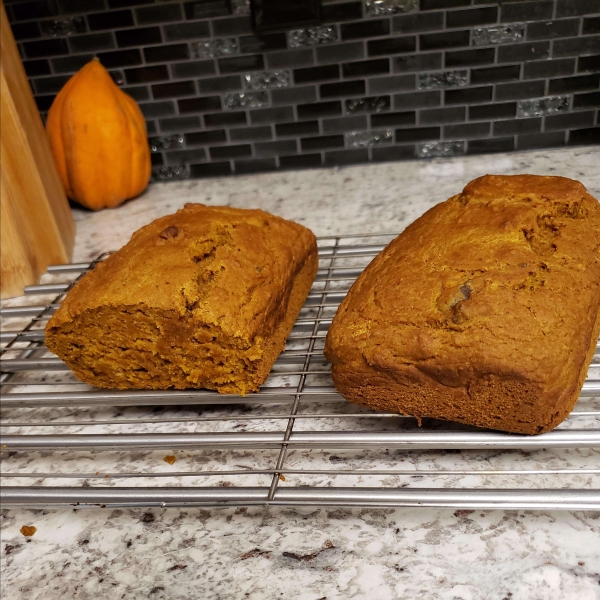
x=310, y=553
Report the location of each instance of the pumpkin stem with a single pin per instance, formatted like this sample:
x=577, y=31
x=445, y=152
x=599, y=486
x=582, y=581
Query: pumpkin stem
x=96, y=59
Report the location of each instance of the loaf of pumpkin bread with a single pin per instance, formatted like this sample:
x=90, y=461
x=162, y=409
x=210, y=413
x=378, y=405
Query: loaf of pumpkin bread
x=485, y=311
x=203, y=298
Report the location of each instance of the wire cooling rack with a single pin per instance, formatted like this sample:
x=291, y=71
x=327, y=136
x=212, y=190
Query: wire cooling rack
x=297, y=442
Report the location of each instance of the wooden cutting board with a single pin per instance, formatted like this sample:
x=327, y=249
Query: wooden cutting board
x=36, y=225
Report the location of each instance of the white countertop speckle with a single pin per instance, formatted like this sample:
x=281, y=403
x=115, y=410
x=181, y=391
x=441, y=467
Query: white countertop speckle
x=307, y=553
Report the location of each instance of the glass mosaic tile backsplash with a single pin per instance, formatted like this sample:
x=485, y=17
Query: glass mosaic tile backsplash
x=376, y=80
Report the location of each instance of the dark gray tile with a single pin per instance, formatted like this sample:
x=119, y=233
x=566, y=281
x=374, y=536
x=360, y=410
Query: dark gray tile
x=319, y=109
x=591, y=25
x=66, y=7
x=138, y=37
x=259, y=165
x=590, y=135
x=275, y=148
x=300, y=161
x=45, y=48
x=205, y=137
x=495, y=74
x=466, y=58
x=300, y=128
x=206, y=8
x=147, y=74
x=179, y=123
x=42, y=67
x=121, y=58
x=346, y=157
x=225, y=118
x=466, y=131
x=138, y=93
x=545, y=30
x=471, y=16
x=522, y=52
x=180, y=157
x=588, y=44
x=574, y=8
x=570, y=120
x=346, y=11
x=431, y=4
x=177, y=89
x=446, y=39
x=394, y=45
x=45, y=85
x=419, y=21
x=207, y=103
x=505, y=144
x=393, y=119
x=504, y=110
x=92, y=42
x=236, y=64
x=434, y=116
x=262, y=43
x=198, y=68
x=579, y=83
x=64, y=64
x=417, y=134
x=365, y=29
x=517, y=91
x=396, y=83
x=316, y=74
x=214, y=169
x=272, y=115
x=158, y=109
x=343, y=124
x=476, y=95
x=417, y=100
x=294, y=95
x=110, y=20
x=165, y=53
x=417, y=62
x=404, y=152
x=232, y=26
x=345, y=88
x=230, y=83
x=586, y=63
x=322, y=142
x=589, y=100
x=186, y=31
x=339, y=52
x=541, y=140
x=290, y=58
x=242, y=134
x=548, y=68
x=25, y=31
x=233, y=151
x=527, y=11
x=366, y=67
x=159, y=13
x=517, y=126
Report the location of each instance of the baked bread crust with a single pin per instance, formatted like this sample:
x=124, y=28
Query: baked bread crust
x=203, y=298
x=486, y=310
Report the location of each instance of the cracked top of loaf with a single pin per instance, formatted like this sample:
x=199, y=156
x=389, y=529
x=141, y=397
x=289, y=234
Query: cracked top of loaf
x=500, y=280
x=228, y=267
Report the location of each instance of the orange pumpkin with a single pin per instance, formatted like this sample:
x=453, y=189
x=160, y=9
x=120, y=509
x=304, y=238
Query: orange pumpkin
x=99, y=140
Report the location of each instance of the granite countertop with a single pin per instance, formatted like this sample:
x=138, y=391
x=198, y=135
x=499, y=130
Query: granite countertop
x=309, y=553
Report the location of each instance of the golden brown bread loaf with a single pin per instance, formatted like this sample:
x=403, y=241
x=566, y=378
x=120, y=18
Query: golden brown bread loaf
x=486, y=310
x=202, y=298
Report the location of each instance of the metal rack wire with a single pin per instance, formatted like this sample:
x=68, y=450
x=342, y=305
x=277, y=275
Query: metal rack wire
x=297, y=442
